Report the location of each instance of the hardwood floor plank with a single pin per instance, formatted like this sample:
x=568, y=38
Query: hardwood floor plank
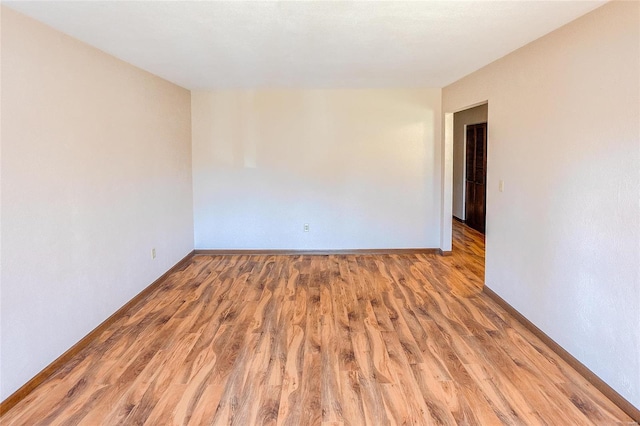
x=310, y=398
x=370, y=339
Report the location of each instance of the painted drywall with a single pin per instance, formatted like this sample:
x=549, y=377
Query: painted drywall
x=1, y=398
x=96, y=171
x=462, y=119
x=361, y=167
x=563, y=239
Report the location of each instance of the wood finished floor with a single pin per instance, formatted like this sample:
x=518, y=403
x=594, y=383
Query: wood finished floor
x=310, y=340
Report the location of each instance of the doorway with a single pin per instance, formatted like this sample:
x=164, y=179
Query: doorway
x=456, y=235
x=476, y=176
x=469, y=165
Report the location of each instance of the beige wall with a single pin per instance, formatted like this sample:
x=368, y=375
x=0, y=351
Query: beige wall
x=563, y=239
x=361, y=167
x=460, y=121
x=96, y=171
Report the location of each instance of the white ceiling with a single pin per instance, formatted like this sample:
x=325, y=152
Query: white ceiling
x=208, y=45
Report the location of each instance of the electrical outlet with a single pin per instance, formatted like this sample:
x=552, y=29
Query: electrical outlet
x=306, y=227
x=153, y=253
x=501, y=186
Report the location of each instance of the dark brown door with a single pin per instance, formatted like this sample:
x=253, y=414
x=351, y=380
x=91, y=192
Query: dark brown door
x=476, y=179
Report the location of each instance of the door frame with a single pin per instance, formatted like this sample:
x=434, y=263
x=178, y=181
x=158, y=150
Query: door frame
x=464, y=174
x=446, y=214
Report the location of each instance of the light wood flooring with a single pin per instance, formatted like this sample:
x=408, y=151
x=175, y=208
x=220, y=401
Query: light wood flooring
x=310, y=340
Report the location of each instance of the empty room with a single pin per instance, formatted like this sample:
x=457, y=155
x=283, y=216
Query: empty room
x=320, y=212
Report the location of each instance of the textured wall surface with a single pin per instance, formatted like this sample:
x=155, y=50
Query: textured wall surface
x=563, y=239
x=96, y=171
x=361, y=167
